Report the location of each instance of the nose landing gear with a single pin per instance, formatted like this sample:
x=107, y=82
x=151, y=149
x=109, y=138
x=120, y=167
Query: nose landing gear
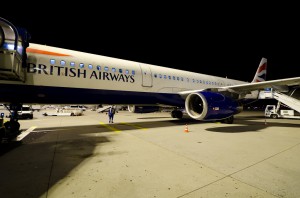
x=10, y=129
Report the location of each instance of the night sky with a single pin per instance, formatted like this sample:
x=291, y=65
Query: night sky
x=223, y=44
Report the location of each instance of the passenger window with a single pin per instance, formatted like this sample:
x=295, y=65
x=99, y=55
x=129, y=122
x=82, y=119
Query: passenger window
x=62, y=63
x=113, y=69
x=127, y=72
x=52, y=61
x=98, y=67
x=81, y=65
x=106, y=68
x=90, y=66
x=133, y=72
x=72, y=64
x=155, y=75
x=120, y=71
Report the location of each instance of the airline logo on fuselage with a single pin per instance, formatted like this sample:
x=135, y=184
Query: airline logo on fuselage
x=76, y=72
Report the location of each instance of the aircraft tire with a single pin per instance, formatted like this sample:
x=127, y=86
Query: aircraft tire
x=228, y=120
x=2, y=133
x=12, y=126
x=176, y=114
x=179, y=114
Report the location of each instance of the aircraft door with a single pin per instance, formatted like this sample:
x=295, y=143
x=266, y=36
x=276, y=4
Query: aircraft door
x=146, y=75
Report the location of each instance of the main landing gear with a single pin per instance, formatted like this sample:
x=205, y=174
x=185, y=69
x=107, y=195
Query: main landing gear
x=176, y=114
x=228, y=120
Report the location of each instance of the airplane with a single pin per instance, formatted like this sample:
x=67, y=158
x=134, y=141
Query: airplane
x=41, y=74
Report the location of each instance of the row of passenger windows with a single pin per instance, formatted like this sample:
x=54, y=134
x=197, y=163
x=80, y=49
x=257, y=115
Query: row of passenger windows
x=90, y=66
x=106, y=68
x=188, y=80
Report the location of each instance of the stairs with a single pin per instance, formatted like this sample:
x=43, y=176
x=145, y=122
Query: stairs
x=289, y=101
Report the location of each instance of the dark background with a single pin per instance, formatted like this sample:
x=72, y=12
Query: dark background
x=222, y=40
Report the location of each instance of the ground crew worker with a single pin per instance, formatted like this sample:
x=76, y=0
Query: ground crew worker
x=111, y=113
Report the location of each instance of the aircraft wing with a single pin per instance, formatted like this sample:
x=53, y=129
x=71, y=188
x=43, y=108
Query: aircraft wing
x=281, y=85
x=276, y=84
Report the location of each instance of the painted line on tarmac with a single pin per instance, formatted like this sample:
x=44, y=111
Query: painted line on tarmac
x=134, y=125
x=110, y=127
x=49, y=130
x=25, y=133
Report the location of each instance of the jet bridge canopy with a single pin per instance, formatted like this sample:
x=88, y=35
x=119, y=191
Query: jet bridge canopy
x=13, y=44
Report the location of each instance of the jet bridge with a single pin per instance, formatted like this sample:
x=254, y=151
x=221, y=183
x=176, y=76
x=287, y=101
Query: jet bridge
x=13, y=44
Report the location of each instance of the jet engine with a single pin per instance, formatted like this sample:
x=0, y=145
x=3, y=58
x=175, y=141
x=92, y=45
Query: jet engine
x=211, y=106
x=142, y=109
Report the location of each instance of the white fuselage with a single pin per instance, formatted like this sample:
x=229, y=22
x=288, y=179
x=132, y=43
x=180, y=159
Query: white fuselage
x=53, y=68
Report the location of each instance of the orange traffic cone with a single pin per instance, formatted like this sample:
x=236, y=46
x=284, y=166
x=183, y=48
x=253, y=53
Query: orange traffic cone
x=186, y=129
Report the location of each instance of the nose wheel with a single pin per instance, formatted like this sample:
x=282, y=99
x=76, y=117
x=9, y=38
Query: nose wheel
x=11, y=129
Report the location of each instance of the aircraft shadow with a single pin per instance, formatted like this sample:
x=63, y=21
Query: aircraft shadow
x=31, y=167
x=245, y=125
x=146, y=118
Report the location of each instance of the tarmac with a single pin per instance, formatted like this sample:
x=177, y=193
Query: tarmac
x=152, y=156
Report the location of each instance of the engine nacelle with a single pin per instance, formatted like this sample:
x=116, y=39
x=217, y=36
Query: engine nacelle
x=210, y=106
x=142, y=109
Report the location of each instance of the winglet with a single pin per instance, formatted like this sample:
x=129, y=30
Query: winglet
x=261, y=72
